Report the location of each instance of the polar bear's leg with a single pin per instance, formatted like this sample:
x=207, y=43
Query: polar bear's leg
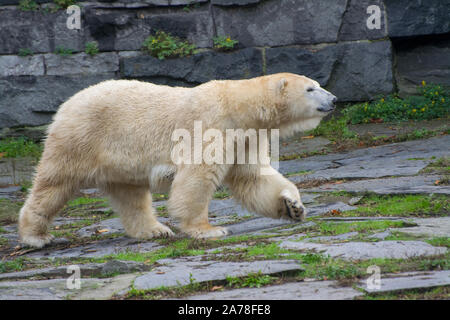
x=265, y=191
x=43, y=203
x=134, y=204
x=191, y=191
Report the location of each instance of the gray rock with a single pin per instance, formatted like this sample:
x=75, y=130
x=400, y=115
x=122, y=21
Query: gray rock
x=109, y=226
x=422, y=61
x=340, y=237
x=86, y=270
x=117, y=30
x=179, y=272
x=409, y=280
x=315, y=290
x=99, y=248
x=234, y=2
x=257, y=224
x=383, y=161
x=9, y=192
x=415, y=17
x=54, y=289
x=283, y=22
x=430, y=227
x=363, y=71
x=21, y=66
x=38, y=31
x=16, y=171
x=354, y=200
x=380, y=235
x=297, y=145
x=369, y=250
x=398, y=185
x=321, y=209
x=57, y=289
x=315, y=63
x=30, y=100
x=81, y=64
x=198, y=68
x=354, y=22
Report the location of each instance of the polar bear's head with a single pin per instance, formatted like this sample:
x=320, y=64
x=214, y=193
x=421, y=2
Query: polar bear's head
x=302, y=102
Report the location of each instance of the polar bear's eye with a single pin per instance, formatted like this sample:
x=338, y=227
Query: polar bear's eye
x=310, y=89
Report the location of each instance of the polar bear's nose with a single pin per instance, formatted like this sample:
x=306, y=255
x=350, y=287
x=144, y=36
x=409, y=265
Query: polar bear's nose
x=334, y=100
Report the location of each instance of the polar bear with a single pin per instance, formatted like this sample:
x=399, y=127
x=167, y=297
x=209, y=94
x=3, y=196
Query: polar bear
x=116, y=135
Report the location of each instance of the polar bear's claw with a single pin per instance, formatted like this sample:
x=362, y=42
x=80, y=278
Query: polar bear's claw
x=294, y=208
x=157, y=231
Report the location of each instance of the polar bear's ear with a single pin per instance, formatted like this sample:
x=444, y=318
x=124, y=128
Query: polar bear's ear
x=281, y=85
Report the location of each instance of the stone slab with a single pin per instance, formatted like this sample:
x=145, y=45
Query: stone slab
x=409, y=280
x=97, y=249
x=369, y=250
x=179, y=272
x=398, y=185
x=21, y=66
x=86, y=270
x=315, y=290
x=282, y=22
x=81, y=64
x=430, y=227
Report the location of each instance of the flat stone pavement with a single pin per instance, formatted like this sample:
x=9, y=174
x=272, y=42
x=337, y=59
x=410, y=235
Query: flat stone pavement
x=111, y=264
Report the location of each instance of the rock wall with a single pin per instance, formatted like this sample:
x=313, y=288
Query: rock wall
x=323, y=39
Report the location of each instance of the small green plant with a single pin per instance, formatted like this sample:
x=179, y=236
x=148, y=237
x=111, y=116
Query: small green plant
x=251, y=280
x=224, y=43
x=25, y=52
x=163, y=45
x=63, y=51
x=433, y=102
x=64, y=4
x=91, y=48
x=19, y=147
x=190, y=5
x=28, y=5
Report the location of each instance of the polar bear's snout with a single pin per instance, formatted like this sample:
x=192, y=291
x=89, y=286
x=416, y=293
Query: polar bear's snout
x=329, y=102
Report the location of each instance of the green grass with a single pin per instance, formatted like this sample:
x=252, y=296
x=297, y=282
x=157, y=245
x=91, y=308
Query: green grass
x=441, y=165
x=19, y=147
x=24, y=52
x=176, y=249
x=335, y=228
x=15, y=265
x=28, y=5
x=401, y=205
x=439, y=241
x=440, y=293
x=433, y=102
x=98, y=202
x=252, y=280
x=221, y=194
x=63, y=51
x=298, y=173
x=9, y=210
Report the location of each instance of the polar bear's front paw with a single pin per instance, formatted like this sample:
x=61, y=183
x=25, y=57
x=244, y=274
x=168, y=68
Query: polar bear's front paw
x=156, y=231
x=37, y=241
x=212, y=232
x=294, y=209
